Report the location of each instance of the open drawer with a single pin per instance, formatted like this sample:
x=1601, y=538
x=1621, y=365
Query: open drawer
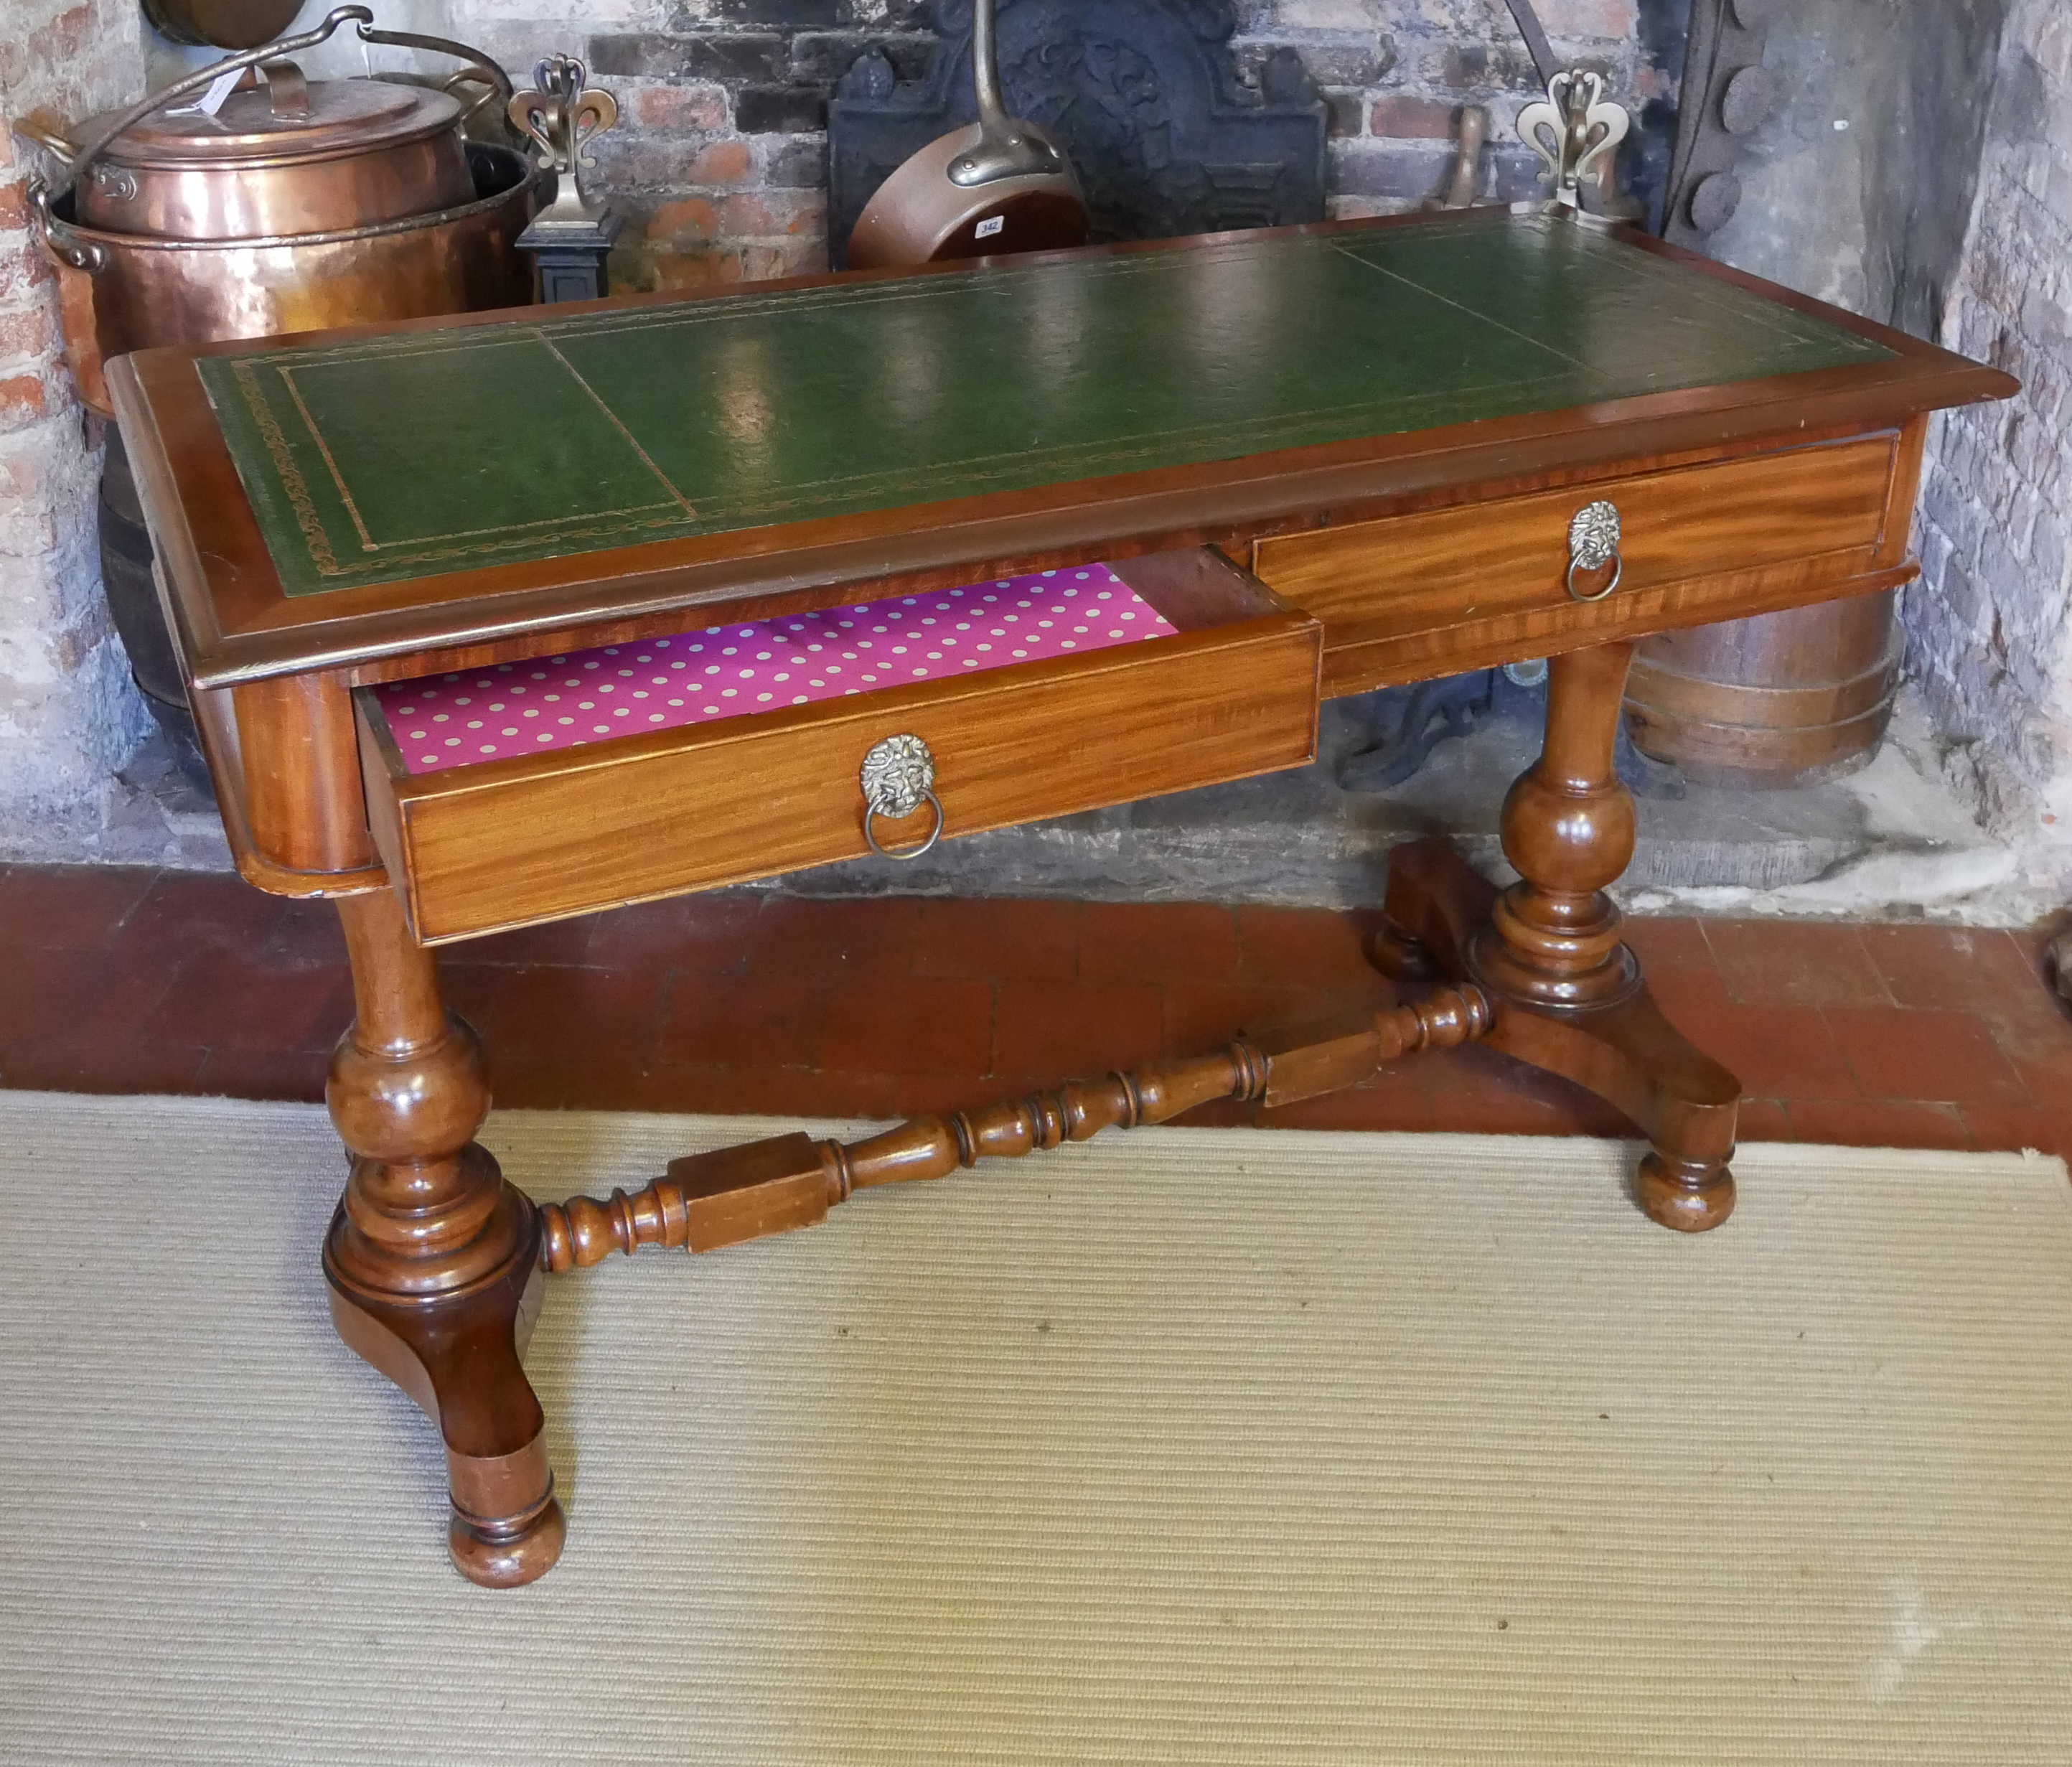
x=1019, y=719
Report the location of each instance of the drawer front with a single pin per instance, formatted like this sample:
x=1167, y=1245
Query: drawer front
x=1233, y=693
x=1387, y=587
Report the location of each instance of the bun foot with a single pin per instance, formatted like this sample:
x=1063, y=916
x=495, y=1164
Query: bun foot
x=1688, y=1195
x=503, y=1555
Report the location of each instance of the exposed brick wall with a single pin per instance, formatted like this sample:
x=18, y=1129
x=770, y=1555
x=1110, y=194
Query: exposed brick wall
x=721, y=161
x=1989, y=635
x=69, y=713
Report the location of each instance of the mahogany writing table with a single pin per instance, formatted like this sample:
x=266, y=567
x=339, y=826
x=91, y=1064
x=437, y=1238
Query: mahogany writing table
x=1312, y=461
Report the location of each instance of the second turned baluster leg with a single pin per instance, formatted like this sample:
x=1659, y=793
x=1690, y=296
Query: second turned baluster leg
x=1567, y=989
x=433, y=1260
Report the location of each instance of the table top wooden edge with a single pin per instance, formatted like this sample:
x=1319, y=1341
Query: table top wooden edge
x=250, y=629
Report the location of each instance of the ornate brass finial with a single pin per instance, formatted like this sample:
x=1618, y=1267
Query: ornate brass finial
x=1573, y=129
x=560, y=118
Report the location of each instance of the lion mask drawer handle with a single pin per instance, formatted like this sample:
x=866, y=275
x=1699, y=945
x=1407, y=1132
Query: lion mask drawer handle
x=1593, y=542
x=898, y=777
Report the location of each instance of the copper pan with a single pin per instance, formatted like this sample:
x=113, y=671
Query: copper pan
x=120, y=292
x=1000, y=184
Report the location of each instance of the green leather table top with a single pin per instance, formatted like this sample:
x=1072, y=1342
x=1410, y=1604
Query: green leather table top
x=411, y=455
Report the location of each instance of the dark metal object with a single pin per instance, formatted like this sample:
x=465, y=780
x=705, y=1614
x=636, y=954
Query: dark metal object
x=1727, y=95
x=223, y=24
x=571, y=260
x=134, y=609
x=1143, y=96
x=1458, y=705
x=1529, y=27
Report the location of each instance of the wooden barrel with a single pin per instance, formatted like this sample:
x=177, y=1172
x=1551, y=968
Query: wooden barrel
x=1777, y=700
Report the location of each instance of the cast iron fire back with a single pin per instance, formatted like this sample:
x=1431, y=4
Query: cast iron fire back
x=1144, y=94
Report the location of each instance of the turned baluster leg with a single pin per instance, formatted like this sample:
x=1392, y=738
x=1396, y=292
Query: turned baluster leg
x=1553, y=937
x=433, y=1260
x=1567, y=989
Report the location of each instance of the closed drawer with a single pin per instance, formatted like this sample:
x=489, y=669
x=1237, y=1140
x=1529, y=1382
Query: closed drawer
x=1498, y=568
x=1230, y=690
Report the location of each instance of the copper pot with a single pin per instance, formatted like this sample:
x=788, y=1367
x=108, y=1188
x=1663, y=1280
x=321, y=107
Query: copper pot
x=293, y=158
x=296, y=157
x=293, y=206
x=119, y=292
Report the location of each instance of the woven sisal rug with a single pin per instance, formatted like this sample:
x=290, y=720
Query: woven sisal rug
x=1187, y=1447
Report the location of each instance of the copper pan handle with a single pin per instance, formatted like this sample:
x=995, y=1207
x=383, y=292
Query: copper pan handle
x=198, y=81
x=1005, y=147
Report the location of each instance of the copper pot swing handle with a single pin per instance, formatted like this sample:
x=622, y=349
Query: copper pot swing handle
x=198, y=81
x=445, y=46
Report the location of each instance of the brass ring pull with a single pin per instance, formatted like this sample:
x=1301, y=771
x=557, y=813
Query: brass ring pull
x=1618, y=569
x=898, y=776
x=935, y=834
x=1593, y=542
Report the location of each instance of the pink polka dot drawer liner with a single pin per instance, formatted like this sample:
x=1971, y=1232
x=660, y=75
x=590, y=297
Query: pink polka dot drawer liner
x=439, y=721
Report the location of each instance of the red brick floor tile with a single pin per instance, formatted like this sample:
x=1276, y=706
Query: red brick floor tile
x=559, y=943
x=184, y=909
x=307, y=932
x=1858, y=1122
x=791, y=1093
x=997, y=940
x=1764, y=1119
x=1958, y=969
x=2046, y=1070
x=836, y=937
x=235, y=998
x=67, y=998
x=2003, y=1128
x=710, y=935
x=1774, y=1051
x=2034, y=941
x=1154, y=941
x=1691, y=997
x=542, y=1013
x=1070, y=1030
x=2039, y=1048
x=295, y=1075
x=1663, y=942
x=908, y=1025
x=1784, y=962
x=97, y=1066
x=1202, y=1017
x=1474, y=1113
x=939, y=1094
x=68, y=907
x=131, y=980
x=1901, y=1053
x=1307, y=948
x=752, y=1021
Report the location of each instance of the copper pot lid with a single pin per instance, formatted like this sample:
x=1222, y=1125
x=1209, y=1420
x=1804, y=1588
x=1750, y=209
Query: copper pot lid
x=321, y=119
